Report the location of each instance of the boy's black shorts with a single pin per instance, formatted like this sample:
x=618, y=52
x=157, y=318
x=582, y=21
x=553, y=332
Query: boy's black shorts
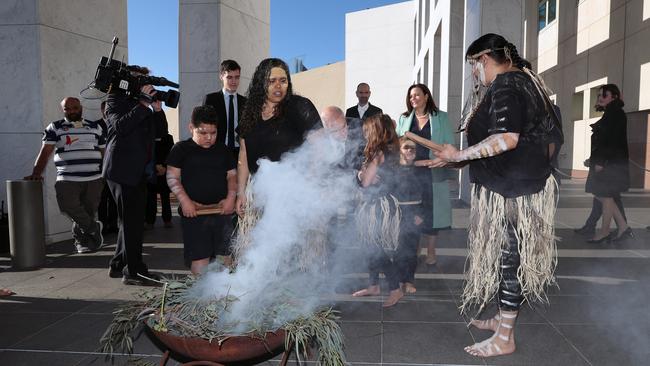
x=206, y=236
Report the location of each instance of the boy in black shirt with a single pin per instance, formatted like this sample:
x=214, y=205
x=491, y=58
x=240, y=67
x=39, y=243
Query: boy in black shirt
x=201, y=172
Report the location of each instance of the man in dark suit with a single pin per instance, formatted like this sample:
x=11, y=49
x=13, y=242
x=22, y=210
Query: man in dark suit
x=228, y=104
x=363, y=109
x=128, y=163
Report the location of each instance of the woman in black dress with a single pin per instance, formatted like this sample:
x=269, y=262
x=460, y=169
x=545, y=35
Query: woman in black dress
x=274, y=121
x=609, y=173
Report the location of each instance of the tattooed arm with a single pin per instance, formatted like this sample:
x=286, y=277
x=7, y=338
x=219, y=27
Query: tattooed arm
x=174, y=182
x=491, y=146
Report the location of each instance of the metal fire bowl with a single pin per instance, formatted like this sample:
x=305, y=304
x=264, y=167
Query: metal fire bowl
x=235, y=349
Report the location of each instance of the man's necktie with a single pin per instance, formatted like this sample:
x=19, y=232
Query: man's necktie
x=231, y=123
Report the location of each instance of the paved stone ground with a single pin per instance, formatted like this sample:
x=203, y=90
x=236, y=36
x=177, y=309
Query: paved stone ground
x=597, y=315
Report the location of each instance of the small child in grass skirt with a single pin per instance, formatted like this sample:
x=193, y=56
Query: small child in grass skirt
x=380, y=215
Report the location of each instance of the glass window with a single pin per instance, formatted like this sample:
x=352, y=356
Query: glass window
x=419, y=24
x=427, y=6
x=425, y=66
x=551, y=10
x=541, y=15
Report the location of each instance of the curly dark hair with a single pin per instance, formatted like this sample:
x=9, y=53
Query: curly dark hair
x=498, y=47
x=256, y=94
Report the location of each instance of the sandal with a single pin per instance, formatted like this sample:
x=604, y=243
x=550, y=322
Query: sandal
x=502, y=341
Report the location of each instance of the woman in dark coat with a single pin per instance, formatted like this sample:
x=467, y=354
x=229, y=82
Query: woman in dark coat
x=608, y=164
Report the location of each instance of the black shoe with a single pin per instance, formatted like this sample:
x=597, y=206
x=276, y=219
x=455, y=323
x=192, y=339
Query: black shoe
x=150, y=280
x=585, y=230
x=97, y=236
x=627, y=234
x=114, y=273
x=605, y=239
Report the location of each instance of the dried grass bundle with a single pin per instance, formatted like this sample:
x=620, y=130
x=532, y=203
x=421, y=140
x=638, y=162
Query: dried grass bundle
x=532, y=216
x=172, y=310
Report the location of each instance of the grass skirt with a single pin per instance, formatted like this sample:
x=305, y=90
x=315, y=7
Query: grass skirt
x=312, y=251
x=532, y=216
x=378, y=222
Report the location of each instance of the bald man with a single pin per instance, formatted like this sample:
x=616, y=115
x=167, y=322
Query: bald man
x=363, y=109
x=78, y=145
x=346, y=129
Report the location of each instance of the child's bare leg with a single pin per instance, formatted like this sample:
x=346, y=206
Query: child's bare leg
x=431, y=249
x=198, y=265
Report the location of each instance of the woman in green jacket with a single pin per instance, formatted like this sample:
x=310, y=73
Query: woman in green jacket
x=423, y=118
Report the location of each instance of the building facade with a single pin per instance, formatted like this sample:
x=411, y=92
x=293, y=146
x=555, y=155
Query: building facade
x=324, y=86
x=576, y=46
x=379, y=51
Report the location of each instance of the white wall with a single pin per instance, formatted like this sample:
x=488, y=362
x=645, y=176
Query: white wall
x=379, y=51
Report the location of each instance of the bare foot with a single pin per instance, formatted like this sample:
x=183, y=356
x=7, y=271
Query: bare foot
x=370, y=291
x=409, y=288
x=502, y=341
x=6, y=292
x=493, y=346
x=486, y=324
x=393, y=298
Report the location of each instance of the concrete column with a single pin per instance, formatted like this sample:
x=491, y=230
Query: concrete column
x=212, y=31
x=50, y=50
x=505, y=17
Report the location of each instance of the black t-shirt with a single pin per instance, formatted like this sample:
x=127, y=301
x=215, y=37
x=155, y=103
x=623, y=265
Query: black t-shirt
x=272, y=138
x=512, y=104
x=203, y=171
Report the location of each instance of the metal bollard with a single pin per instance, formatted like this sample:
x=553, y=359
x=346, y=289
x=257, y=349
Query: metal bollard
x=26, y=223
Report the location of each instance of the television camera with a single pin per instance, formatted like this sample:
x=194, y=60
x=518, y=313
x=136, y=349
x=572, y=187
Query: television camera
x=116, y=76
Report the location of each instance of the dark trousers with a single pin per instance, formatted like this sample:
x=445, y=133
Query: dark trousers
x=130, y=201
x=510, y=297
x=153, y=190
x=406, y=256
x=597, y=211
x=107, y=211
x=381, y=262
x=79, y=201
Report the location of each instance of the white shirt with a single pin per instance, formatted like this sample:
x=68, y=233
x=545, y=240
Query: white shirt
x=226, y=100
x=362, y=109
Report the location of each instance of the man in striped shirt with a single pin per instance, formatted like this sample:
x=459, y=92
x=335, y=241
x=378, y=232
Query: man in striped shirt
x=78, y=146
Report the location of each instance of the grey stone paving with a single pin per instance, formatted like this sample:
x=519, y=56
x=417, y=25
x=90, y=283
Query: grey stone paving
x=597, y=316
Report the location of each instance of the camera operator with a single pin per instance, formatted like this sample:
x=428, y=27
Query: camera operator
x=133, y=125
